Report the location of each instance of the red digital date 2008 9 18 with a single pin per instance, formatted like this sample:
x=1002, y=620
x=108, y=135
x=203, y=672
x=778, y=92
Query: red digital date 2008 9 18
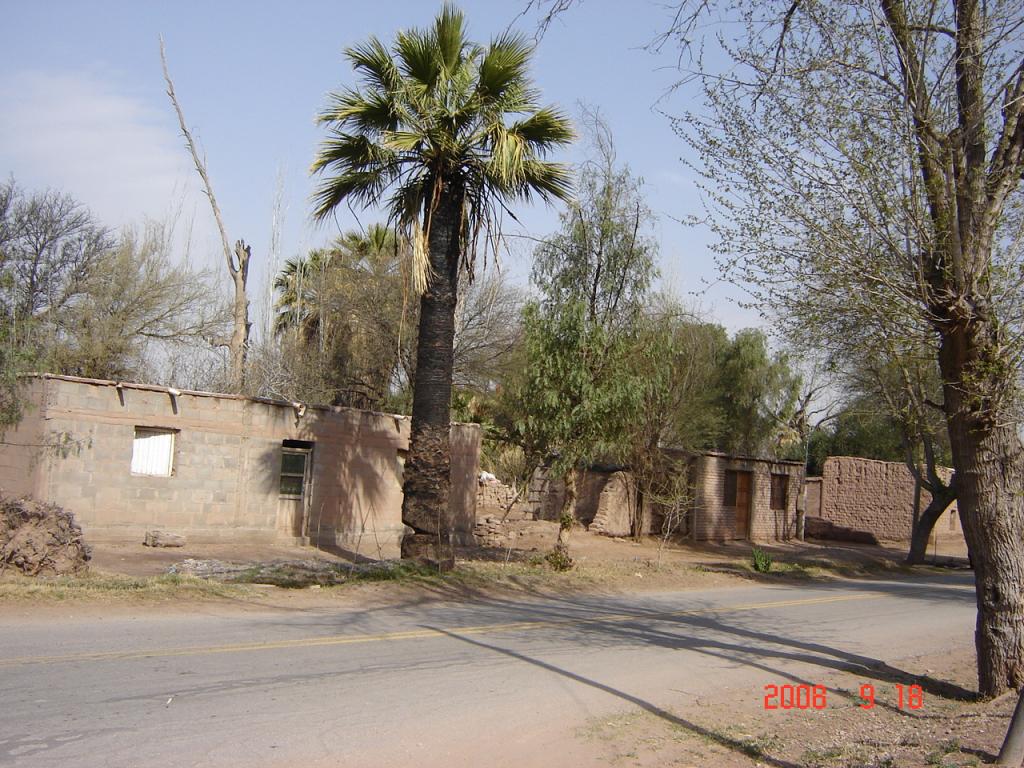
x=816, y=696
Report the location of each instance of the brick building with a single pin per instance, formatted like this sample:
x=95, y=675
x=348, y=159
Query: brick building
x=127, y=457
x=744, y=497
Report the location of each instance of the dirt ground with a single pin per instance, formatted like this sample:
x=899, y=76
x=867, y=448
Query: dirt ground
x=948, y=728
x=122, y=571
x=590, y=551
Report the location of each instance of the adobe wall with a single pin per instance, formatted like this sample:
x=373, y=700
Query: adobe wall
x=876, y=497
x=812, y=496
x=226, y=465
x=603, y=505
x=713, y=521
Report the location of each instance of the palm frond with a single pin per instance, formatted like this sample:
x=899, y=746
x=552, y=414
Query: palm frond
x=432, y=111
x=503, y=64
x=449, y=37
x=369, y=113
x=373, y=61
x=418, y=60
x=544, y=129
x=364, y=187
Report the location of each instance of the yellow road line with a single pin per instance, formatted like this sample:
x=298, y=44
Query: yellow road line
x=415, y=634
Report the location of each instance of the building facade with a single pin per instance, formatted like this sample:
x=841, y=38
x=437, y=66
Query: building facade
x=745, y=498
x=129, y=457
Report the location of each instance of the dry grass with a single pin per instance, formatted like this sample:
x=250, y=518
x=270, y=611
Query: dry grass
x=98, y=586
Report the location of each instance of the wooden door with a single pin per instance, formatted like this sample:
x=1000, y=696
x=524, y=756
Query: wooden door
x=743, y=497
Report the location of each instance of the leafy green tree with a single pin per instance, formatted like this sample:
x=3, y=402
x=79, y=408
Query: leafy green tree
x=758, y=392
x=428, y=134
x=859, y=428
x=576, y=400
x=580, y=388
x=675, y=361
x=604, y=254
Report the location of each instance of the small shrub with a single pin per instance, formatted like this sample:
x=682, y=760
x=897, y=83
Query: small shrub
x=761, y=560
x=559, y=560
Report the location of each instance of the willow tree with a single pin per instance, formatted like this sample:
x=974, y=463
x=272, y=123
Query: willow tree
x=593, y=277
x=444, y=133
x=863, y=163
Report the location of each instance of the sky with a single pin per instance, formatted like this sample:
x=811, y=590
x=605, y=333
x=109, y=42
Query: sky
x=85, y=111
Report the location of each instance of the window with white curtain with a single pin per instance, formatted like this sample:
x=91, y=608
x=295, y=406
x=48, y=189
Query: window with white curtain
x=153, y=451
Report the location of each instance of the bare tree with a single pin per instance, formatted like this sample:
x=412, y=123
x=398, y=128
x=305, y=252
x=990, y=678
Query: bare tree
x=236, y=258
x=873, y=154
x=135, y=309
x=487, y=330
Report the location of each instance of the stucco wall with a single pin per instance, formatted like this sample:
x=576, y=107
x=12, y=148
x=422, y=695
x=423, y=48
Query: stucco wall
x=876, y=497
x=226, y=465
x=812, y=496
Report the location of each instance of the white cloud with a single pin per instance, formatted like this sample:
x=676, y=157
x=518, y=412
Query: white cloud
x=77, y=132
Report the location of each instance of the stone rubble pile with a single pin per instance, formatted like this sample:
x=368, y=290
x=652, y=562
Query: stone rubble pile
x=284, y=573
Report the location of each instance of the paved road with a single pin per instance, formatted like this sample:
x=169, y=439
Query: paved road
x=432, y=683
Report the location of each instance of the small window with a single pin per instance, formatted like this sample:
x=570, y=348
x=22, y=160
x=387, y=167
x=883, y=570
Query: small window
x=729, y=497
x=779, y=485
x=295, y=466
x=153, y=452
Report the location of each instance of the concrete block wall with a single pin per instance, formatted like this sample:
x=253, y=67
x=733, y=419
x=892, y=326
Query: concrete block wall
x=20, y=447
x=876, y=497
x=226, y=465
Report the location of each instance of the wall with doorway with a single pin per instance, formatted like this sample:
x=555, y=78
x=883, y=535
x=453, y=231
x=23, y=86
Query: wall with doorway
x=735, y=497
x=745, y=498
x=128, y=457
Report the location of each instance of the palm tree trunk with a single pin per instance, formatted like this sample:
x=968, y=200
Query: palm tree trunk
x=427, y=480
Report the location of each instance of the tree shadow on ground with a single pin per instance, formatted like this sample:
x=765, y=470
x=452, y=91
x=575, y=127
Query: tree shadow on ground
x=736, y=745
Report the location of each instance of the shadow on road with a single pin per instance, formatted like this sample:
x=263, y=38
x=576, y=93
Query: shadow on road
x=728, y=742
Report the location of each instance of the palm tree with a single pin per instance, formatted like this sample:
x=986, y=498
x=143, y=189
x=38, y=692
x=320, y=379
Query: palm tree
x=443, y=132
x=305, y=283
x=341, y=311
x=300, y=288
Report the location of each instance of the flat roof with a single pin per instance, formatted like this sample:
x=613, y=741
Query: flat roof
x=201, y=393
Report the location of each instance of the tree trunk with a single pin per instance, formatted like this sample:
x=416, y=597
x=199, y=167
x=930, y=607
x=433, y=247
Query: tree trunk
x=239, y=345
x=989, y=461
x=925, y=524
x=237, y=260
x=426, y=484
x=1012, y=751
x=559, y=557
